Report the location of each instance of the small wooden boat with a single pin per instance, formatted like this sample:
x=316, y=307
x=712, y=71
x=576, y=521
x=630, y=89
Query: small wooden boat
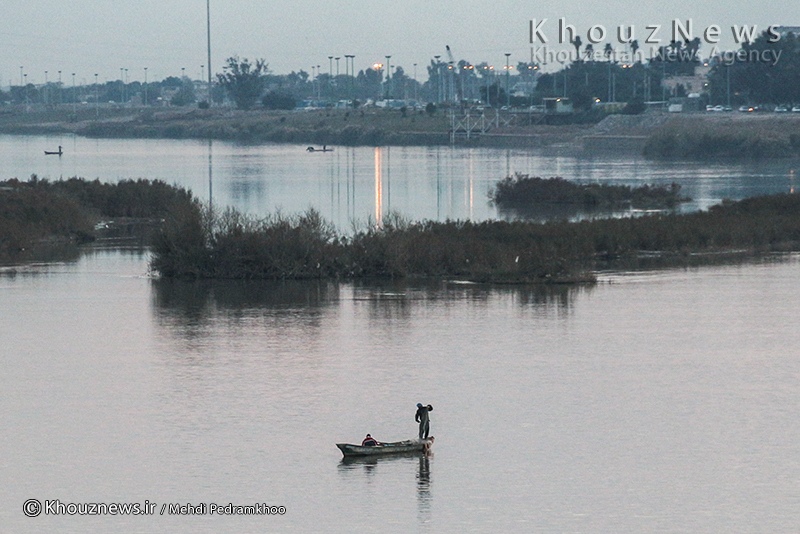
x=411, y=445
x=323, y=149
x=52, y=153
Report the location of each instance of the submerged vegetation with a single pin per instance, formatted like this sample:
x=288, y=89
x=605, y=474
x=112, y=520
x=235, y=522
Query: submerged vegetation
x=524, y=191
x=200, y=243
x=38, y=211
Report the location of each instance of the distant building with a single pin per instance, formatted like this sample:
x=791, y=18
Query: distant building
x=557, y=105
x=691, y=84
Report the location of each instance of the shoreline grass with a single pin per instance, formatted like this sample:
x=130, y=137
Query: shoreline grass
x=199, y=243
x=38, y=213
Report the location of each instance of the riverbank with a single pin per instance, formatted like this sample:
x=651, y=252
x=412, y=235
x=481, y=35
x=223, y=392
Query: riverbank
x=344, y=127
x=659, y=135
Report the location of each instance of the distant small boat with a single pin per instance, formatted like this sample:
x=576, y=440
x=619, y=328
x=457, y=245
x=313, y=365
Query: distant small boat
x=411, y=445
x=323, y=149
x=51, y=153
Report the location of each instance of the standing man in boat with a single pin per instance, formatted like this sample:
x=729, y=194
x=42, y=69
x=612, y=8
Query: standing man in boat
x=424, y=420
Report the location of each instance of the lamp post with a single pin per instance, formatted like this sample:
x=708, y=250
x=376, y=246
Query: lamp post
x=388, y=76
x=202, y=78
x=74, y=94
x=330, y=75
x=439, y=76
x=415, y=84
x=60, y=96
x=728, y=75
x=45, y=88
x=349, y=58
x=208, y=30
x=508, y=78
x=337, y=65
x=145, y=87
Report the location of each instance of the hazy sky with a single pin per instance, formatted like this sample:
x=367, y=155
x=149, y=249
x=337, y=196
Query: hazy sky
x=94, y=36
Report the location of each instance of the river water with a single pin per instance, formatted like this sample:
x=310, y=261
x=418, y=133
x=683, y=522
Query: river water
x=361, y=184
x=663, y=401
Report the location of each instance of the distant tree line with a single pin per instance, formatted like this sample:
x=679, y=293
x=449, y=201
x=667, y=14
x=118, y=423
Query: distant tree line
x=754, y=77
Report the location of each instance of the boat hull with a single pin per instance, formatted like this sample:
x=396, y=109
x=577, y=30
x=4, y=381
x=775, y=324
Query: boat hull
x=411, y=445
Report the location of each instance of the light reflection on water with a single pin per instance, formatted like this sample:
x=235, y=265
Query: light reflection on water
x=359, y=184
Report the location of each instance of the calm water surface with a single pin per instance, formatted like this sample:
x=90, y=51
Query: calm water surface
x=654, y=402
x=359, y=184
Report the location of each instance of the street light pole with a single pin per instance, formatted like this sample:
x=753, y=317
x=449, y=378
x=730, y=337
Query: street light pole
x=439, y=76
x=388, y=76
x=208, y=31
x=508, y=75
x=415, y=84
x=145, y=87
x=96, y=99
x=728, y=73
x=349, y=58
x=330, y=75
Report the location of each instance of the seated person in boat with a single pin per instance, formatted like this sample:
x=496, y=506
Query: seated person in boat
x=369, y=441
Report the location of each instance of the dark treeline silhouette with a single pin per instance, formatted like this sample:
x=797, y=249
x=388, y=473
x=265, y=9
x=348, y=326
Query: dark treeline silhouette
x=754, y=75
x=522, y=190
